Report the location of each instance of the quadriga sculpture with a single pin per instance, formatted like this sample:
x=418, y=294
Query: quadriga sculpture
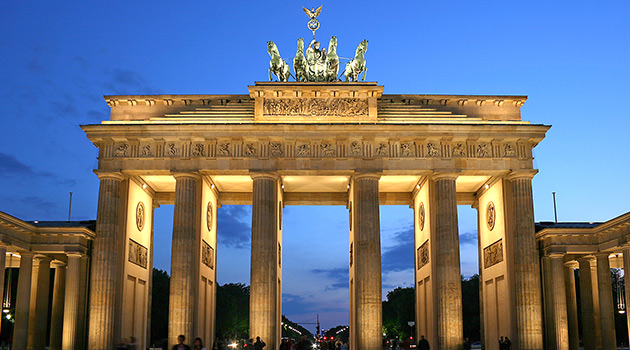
x=332, y=60
x=357, y=64
x=299, y=62
x=277, y=65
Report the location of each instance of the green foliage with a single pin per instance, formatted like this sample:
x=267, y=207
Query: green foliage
x=398, y=310
x=232, y=311
x=339, y=332
x=470, y=308
x=159, y=306
x=290, y=333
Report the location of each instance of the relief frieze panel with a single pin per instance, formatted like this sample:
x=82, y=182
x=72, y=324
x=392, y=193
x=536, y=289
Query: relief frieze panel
x=390, y=148
x=138, y=254
x=316, y=107
x=423, y=254
x=493, y=254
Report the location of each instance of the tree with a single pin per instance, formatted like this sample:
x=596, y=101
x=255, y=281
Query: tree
x=398, y=310
x=470, y=308
x=232, y=317
x=159, y=306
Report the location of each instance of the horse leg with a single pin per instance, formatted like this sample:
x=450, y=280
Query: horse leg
x=270, y=79
x=364, y=73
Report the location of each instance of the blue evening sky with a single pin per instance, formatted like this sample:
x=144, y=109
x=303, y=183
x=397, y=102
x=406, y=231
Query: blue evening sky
x=58, y=58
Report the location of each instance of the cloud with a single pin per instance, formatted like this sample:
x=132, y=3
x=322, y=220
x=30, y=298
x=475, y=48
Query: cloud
x=468, y=238
x=11, y=167
x=126, y=81
x=40, y=204
x=399, y=257
x=234, y=230
x=337, y=276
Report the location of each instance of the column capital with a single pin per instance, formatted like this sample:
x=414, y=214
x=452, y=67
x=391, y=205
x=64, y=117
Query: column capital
x=571, y=264
x=554, y=256
x=587, y=258
x=44, y=258
x=602, y=255
x=26, y=254
x=74, y=255
x=116, y=175
x=57, y=263
x=366, y=175
x=444, y=176
x=521, y=174
x=265, y=175
x=181, y=174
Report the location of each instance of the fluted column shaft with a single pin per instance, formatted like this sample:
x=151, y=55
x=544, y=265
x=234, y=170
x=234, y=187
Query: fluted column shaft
x=23, y=302
x=526, y=267
x=106, y=264
x=606, y=305
x=3, y=265
x=184, y=257
x=586, y=304
x=56, y=321
x=71, y=306
x=572, y=314
x=264, y=280
x=447, y=269
x=626, y=272
x=558, y=293
x=367, y=262
x=41, y=304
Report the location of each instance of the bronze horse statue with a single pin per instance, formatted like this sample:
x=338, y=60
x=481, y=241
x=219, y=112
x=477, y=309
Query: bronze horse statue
x=299, y=62
x=357, y=65
x=277, y=65
x=332, y=60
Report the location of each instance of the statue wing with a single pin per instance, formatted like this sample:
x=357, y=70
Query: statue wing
x=319, y=9
x=308, y=12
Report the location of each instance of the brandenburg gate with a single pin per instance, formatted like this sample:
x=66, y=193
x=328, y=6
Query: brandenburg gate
x=316, y=143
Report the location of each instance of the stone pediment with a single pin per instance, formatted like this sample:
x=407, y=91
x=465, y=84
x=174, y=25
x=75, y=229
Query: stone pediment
x=316, y=102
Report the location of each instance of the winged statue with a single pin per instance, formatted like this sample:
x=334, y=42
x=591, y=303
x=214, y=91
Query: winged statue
x=313, y=13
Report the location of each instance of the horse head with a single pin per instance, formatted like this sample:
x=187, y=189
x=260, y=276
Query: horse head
x=272, y=49
x=332, y=46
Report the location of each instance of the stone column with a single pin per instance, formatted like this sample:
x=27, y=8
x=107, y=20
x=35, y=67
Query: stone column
x=106, y=263
x=626, y=272
x=525, y=264
x=56, y=320
x=264, y=296
x=447, y=277
x=23, y=302
x=71, y=307
x=586, y=304
x=606, y=305
x=3, y=266
x=41, y=304
x=185, y=257
x=367, y=262
x=572, y=314
x=558, y=293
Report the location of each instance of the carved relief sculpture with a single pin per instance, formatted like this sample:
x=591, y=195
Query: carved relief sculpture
x=406, y=149
x=276, y=149
x=491, y=216
x=250, y=150
x=224, y=149
x=303, y=150
x=207, y=254
x=459, y=150
x=171, y=150
x=138, y=254
x=482, y=150
x=493, y=254
x=433, y=150
x=316, y=107
x=140, y=216
x=121, y=151
x=209, y=216
x=509, y=151
x=197, y=150
x=327, y=149
x=146, y=151
x=381, y=150
x=355, y=148
x=421, y=216
x=423, y=254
